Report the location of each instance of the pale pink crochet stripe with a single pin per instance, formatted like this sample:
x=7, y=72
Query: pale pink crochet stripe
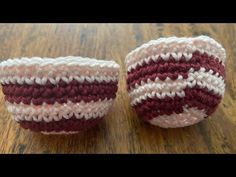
x=52, y=71
x=56, y=112
x=197, y=78
x=188, y=117
x=142, y=52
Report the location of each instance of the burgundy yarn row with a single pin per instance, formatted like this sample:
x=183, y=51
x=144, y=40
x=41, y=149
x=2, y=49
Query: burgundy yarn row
x=172, y=69
x=61, y=94
x=194, y=97
x=71, y=124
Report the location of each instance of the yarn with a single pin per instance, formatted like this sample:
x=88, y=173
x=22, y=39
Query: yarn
x=63, y=95
x=176, y=82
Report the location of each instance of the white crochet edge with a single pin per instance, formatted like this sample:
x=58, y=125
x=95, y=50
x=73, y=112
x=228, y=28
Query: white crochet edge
x=165, y=57
x=189, y=117
x=181, y=47
x=69, y=60
x=43, y=81
x=161, y=89
x=56, y=112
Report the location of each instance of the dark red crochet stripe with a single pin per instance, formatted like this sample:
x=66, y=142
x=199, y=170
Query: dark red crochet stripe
x=172, y=76
x=195, y=97
x=209, y=62
x=61, y=93
x=173, y=68
x=67, y=125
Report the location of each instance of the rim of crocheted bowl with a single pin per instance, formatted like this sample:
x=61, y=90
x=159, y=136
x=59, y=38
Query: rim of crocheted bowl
x=60, y=66
x=51, y=71
x=152, y=75
x=176, y=46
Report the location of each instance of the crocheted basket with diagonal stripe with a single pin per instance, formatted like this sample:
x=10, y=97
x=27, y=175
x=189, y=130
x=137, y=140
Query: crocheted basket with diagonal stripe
x=176, y=82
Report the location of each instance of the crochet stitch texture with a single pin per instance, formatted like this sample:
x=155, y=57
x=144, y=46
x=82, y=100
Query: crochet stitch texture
x=176, y=82
x=58, y=95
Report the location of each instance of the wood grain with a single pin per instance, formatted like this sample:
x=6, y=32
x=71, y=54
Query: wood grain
x=121, y=131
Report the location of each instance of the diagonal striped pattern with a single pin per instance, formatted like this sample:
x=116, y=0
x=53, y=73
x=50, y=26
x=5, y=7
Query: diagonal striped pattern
x=176, y=82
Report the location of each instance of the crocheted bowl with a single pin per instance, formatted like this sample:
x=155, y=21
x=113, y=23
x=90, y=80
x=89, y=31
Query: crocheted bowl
x=176, y=82
x=60, y=95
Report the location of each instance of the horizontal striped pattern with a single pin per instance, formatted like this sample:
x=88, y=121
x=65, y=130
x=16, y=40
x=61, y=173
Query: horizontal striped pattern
x=59, y=61
x=171, y=66
x=171, y=88
x=56, y=80
x=58, y=95
x=41, y=70
x=56, y=112
x=50, y=94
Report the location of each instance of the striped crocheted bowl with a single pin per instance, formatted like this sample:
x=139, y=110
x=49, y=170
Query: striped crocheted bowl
x=176, y=82
x=58, y=95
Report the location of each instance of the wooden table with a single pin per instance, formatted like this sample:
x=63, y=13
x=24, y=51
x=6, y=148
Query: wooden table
x=121, y=131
